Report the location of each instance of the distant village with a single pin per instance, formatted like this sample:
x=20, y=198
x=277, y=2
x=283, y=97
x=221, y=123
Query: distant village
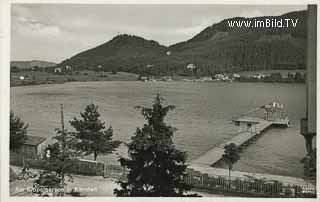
x=231, y=77
x=193, y=75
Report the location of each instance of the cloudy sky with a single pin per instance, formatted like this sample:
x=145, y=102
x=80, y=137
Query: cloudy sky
x=54, y=32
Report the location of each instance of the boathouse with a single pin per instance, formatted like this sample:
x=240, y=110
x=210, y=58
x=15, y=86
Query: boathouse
x=247, y=124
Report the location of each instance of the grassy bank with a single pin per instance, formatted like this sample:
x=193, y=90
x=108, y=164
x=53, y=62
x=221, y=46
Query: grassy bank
x=37, y=78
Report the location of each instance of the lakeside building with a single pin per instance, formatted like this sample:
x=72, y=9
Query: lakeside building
x=166, y=78
x=144, y=78
x=236, y=76
x=57, y=70
x=69, y=68
x=259, y=76
x=191, y=66
x=32, y=147
x=222, y=77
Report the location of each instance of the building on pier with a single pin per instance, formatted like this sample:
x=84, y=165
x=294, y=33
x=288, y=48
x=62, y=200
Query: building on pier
x=247, y=124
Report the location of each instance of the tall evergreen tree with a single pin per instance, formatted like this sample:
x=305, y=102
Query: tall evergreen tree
x=156, y=167
x=91, y=133
x=230, y=156
x=18, y=131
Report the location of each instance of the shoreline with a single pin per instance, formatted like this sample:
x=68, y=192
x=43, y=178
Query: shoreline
x=28, y=78
x=64, y=82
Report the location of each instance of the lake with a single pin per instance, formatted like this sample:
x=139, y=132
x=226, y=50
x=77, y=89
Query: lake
x=202, y=116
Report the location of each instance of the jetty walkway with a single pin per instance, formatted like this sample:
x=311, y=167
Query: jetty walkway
x=254, y=127
x=250, y=128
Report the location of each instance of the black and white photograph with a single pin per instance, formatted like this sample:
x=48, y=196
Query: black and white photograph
x=162, y=100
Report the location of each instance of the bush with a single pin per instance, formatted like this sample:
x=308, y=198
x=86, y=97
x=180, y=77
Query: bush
x=71, y=79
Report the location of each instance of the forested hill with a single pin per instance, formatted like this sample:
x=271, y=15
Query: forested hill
x=122, y=53
x=218, y=48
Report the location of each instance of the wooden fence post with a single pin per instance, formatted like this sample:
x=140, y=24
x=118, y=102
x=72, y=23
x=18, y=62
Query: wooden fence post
x=205, y=180
x=96, y=168
x=105, y=170
x=124, y=170
x=79, y=166
x=296, y=191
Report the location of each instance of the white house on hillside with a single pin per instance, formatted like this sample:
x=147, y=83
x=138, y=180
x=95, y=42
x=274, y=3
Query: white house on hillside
x=191, y=66
x=57, y=70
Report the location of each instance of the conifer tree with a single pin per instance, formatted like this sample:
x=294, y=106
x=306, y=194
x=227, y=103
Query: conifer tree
x=18, y=131
x=230, y=156
x=155, y=166
x=91, y=134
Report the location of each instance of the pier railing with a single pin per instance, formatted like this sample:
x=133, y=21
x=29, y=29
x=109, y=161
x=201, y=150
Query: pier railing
x=246, y=187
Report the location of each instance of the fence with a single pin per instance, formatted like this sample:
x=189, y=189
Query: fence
x=215, y=184
x=77, y=167
x=246, y=187
x=87, y=168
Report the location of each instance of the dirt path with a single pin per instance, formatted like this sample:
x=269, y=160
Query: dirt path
x=89, y=186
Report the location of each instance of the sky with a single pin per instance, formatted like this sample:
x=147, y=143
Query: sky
x=55, y=32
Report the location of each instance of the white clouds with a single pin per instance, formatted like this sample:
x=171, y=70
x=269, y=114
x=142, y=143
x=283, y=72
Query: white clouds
x=252, y=13
x=55, y=31
x=27, y=25
x=197, y=26
x=40, y=30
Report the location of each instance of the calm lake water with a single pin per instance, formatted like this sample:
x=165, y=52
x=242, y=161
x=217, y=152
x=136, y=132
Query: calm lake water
x=202, y=116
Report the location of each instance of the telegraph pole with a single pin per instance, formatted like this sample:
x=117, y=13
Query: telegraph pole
x=62, y=146
x=62, y=120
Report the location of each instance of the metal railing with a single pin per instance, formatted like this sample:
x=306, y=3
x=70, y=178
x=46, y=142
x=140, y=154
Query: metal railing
x=247, y=186
x=239, y=186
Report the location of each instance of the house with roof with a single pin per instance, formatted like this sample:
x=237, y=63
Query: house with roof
x=33, y=146
x=69, y=68
x=247, y=124
x=191, y=66
x=57, y=70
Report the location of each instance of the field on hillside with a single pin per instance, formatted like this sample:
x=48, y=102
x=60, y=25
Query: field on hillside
x=35, y=77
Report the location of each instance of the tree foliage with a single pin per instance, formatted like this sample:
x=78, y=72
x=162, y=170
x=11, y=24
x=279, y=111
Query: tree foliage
x=156, y=167
x=91, y=135
x=59, y=158
x=230, y=155
x=18, y=131
x=61, y=154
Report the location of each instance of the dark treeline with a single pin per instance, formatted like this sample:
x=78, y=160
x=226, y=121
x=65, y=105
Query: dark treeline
x=277, y=77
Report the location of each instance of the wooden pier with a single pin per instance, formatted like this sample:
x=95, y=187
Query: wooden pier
x=250, y=128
